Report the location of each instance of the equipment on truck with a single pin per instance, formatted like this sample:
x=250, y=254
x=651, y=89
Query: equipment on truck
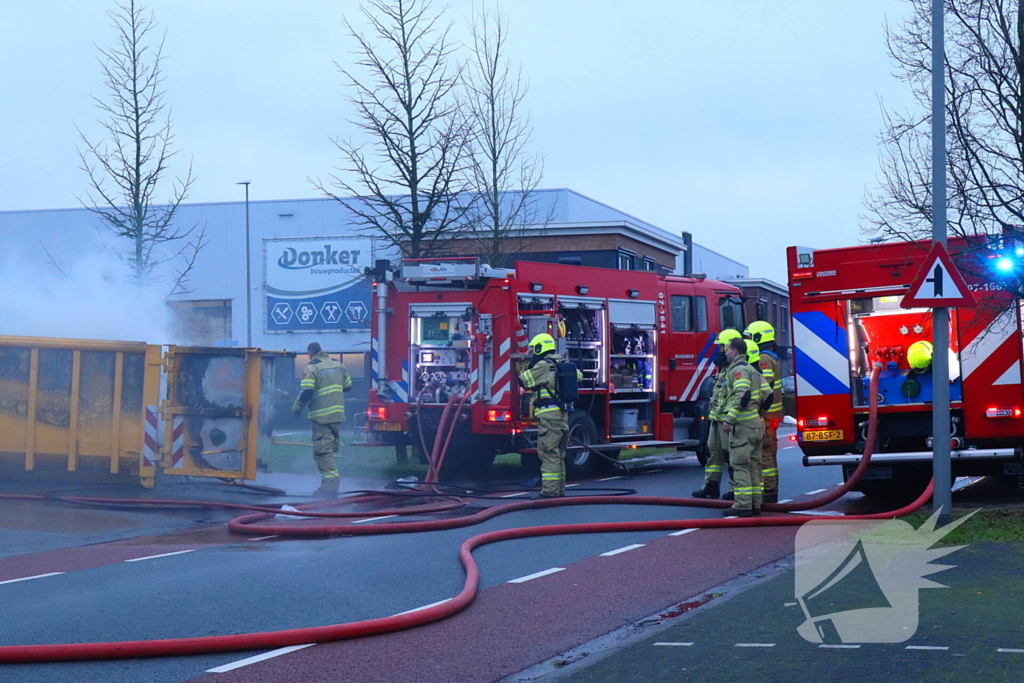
x=455, y=327
x=847, y=314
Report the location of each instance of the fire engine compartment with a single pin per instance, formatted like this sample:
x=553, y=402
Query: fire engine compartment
x=441, y=358
x=882, y=332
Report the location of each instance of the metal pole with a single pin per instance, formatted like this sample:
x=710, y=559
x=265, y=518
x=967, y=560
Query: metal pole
x=248, y=272
x=942, y=499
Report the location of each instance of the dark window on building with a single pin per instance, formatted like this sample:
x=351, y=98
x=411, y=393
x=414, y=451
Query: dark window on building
x=649, y=263
x=682, y=309
x=775, y=314
x=571, y=259
x=762, y=310
x=627, y=260
x=701, y=314
x=730, y=314
x=782, y=332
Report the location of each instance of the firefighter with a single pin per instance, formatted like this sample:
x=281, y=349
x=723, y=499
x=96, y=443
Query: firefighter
x=744, y=429
x=551, y=414
x=763, y=334
x=718, y=445
x=324, y=383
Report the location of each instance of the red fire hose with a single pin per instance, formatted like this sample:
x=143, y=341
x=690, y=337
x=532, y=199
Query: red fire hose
x=319, y=634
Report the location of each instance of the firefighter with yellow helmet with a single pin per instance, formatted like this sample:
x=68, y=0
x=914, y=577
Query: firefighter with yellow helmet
x=763, y=334
x=718, y=444
x=743, y=427
x=551, y=414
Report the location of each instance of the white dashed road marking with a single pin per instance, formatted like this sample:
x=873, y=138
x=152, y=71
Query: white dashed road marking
x=622, y=550
x=531, y=577
x=785, y=500
x=610, y=478
x=811, y=493
x=153, y=557
x=29, y=578
x=258, y=658
x=262, y=538
x=1009, y=649
x=755, y=644
x=926, y=647
x=839, y=647
x=675, y=644
x=373, y=519
x=420, y=609
x=513, y=495
x=681, y=533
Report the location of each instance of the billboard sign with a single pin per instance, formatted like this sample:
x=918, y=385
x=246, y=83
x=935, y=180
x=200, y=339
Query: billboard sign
x=317, y=283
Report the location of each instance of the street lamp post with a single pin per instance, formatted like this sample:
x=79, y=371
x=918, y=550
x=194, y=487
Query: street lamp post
x=248, y=272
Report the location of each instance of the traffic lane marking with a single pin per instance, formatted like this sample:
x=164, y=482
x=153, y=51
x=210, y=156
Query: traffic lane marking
x=513, y=495
x=622, y=550
x=537, y=575
x=1010, y=649
x=153, y=557
x=29, y=578
x=815, y=491
x=683, y=532
x=838, y=647
x=755, y=645
x=258, y=658
x=609, y=593
x=420, y=609
x=618, y=476
x=927, y=647
x=373, y=519
x=675, y=644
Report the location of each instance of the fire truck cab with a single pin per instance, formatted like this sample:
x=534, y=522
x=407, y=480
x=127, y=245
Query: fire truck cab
x=443, y=328
x=847, y=316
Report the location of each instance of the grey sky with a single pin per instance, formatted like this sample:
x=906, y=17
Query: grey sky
x=751, y=123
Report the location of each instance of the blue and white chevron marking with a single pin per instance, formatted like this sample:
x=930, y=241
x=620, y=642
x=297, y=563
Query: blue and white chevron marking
x=401, y=389
x=373, y=361
x=820, y=350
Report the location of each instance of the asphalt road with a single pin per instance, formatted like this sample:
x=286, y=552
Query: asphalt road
x=203, y=581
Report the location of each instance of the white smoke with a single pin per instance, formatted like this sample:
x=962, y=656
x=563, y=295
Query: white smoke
x=91, y=297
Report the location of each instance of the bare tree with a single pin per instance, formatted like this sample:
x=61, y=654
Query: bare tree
x=504, y=177
x=408, y=187
x=126, y=166
x=984, y=129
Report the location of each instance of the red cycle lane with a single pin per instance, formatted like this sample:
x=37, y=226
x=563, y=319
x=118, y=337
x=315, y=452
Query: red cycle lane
x=511, y=627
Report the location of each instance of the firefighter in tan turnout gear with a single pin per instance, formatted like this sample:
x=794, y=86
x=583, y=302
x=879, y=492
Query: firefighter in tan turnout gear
x=744, y=429
x=763, y=334
x=323, y=387
x=551, y=413
x=718, y=444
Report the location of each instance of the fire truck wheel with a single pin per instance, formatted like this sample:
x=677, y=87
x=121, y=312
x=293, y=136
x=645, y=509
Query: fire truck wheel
x=579, y=463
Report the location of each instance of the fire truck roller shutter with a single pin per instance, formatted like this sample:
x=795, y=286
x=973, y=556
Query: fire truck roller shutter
x=627, y=313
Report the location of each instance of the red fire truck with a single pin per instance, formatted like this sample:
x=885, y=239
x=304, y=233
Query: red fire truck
x=643, y=342
x=847, y=316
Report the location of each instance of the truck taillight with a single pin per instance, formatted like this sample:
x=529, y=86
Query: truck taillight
x=380, y=412
x=820, y=421
x=499, y=415
x=1002, y=412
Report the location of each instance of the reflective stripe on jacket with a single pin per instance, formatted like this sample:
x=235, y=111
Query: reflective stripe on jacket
x=742, y=378
x=329, y=381
x=771, y=368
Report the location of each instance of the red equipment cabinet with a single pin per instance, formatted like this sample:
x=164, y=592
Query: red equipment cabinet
x=846, y=314
x=643, y=341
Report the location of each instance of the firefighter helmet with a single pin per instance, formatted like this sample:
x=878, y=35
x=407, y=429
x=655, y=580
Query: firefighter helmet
x=919, y=355
x=760, y=331
x=542, y=343
x=725, y=335
x=753, y=353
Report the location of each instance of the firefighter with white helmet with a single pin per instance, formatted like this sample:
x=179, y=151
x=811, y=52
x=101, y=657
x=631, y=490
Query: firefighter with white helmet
x=551, y=413
x=718, y=445
x=763, y=334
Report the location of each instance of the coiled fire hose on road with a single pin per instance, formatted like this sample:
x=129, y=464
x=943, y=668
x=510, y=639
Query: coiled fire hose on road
x=358, y=629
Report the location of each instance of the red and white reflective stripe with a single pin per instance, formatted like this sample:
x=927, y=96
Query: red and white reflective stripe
x=501, y=380
x=522, y=343
x=178, y=442
x=991, y=348
x=474, y=382
x=151, y=449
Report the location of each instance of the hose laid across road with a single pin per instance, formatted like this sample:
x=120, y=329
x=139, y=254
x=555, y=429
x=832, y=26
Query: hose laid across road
x=358, y=629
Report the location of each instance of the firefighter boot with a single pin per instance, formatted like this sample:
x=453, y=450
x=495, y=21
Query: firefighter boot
x=328, y=488
x=729, y=495
x=770, y=498
x=733, y=512
x=710, y=490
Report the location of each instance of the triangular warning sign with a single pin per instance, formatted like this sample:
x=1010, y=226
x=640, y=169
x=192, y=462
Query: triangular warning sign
x=939, y=284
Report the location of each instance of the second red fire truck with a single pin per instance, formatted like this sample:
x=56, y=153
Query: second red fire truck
x=458, y=329
x=847, y=316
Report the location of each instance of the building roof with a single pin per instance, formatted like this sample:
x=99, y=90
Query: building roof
x=759, y=282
